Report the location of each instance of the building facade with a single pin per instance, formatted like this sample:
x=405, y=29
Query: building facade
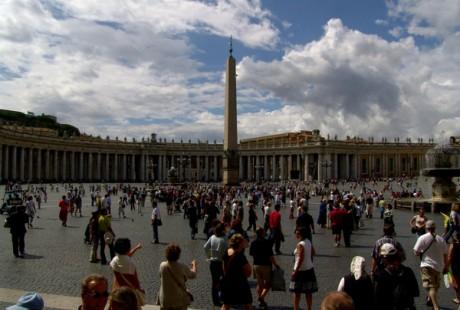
x=34, y=154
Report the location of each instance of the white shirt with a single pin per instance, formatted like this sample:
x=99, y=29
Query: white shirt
x=123, y=264
x=434, y=256
x=307, y=263
x=156, y=211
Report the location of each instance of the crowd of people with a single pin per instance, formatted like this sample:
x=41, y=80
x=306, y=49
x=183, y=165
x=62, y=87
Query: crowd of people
x=388, y=284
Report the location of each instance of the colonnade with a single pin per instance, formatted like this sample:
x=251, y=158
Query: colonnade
x=308, y=165
x=32, y=164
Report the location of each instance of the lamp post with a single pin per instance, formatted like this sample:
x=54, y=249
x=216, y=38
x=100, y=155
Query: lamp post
x=151, y=170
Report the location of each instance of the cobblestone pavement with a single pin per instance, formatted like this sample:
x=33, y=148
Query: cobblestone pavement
x=57, y=258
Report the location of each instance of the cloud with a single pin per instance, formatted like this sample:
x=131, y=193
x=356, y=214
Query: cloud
x=351, y=83
x=103, y=67
x=429, y=18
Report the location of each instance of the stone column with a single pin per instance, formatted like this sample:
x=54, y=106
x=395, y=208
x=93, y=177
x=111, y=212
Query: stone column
x=289, y=167
x=72, y=165
x=143, y=170
x=160, y=168
x=7, y=162
x=115, y=167
x=357, y=166
x=298, y=166
x=257, y=166
x=306, y=167
x=266, y=176
x=39, y=164
x=47, y=164
x=107, y=167
x=198, y=168
x=81, y=173
x=64, y=165
x=274, y=176
x=21, y=164
x=320, y=168
x=90, y=166
x=133, y=167
x=241, y=168
x=14, y=163
x=123, y=167
x=282, y=168
x=216, y=168
x=56, y=165
x=347, y=165
x=250, y=167
x=31, y=158
x=336, y=165
x=2, y=177
x=206, y=168
x=98, y=167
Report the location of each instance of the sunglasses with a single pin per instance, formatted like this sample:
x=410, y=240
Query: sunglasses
x=98, y=295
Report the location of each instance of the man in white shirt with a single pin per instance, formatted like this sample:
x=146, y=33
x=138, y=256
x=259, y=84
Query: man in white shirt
x=433, y=252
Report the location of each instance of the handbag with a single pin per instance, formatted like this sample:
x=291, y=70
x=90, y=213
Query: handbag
x=278, y=283
x=140, y=295
x=108, y=237
x=158, y=222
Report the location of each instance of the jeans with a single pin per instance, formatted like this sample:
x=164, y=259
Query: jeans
x=155, y=232
x=18, y=243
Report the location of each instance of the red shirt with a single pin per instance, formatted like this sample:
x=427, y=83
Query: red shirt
x=275, y=220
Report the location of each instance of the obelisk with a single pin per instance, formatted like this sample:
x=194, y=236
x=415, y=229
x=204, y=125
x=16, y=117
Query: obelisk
x=231, y=157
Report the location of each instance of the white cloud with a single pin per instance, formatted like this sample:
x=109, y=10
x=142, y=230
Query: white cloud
x=427, y=17
x=358, y=84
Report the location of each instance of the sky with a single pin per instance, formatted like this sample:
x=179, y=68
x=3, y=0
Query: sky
x=129, y=68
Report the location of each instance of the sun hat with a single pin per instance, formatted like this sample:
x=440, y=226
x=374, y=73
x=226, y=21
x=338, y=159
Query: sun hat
x=28, y=301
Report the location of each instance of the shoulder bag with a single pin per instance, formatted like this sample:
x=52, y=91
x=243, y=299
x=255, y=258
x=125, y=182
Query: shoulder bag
x=140, y=294
x=182, y=286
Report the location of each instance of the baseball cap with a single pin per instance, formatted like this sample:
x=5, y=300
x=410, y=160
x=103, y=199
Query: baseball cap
x=430, y=224
x=388, y=249
x=28, y=301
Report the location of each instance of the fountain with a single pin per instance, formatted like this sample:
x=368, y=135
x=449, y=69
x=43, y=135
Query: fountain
x=442, y=166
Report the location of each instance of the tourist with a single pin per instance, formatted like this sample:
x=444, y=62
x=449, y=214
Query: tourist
x=262, y=251
x=78, y=204
x=433, y=252
x=417, y=223
x=337, y=301
x=121, y=207
x=337, y=217
x=453, y=261
x=369, y=206
x=17, y=221
x=454, y=221
x=303, y=278
x=388, y=237
x=322, y=215
x=276, y=233
x=348, y=222
x=252, y=217
x=94, y=292
x=106, y=235
x=237, y=270
x=193, y=216
x=395, y=285
x=30, y=210
x=237, y=228
x=123, y=298
x=93, y=229
x=64, y=210
x=306, y=220
x=124, y=270
x=156, y=221
x=358, y=285
x=215, y=248
x=173, y=293
x=28, y=301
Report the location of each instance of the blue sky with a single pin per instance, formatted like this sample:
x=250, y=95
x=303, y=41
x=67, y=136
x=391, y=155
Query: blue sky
x=130, y=68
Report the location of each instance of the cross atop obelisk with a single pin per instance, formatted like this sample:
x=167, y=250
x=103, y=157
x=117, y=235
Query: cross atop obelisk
x=231, y=158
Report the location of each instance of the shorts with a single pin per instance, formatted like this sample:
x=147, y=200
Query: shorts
x=430, y=277
x=263, y=272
